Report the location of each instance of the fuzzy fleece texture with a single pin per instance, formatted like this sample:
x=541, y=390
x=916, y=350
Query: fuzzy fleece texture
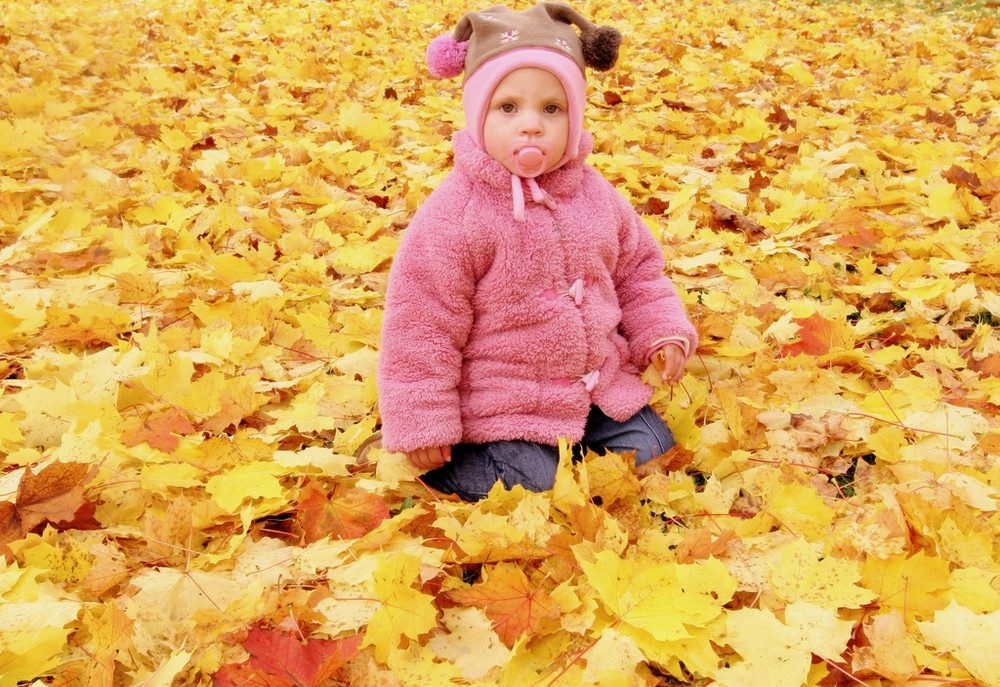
x=484, y=338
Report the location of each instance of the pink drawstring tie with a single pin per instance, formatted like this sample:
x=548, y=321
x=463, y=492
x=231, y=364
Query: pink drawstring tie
x=537, y=195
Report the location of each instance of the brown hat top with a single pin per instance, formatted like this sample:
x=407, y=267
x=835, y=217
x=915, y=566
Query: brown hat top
x=482, y=35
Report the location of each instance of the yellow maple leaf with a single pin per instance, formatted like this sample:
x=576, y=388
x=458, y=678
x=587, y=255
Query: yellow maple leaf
x=668, y=601
x=913, y=585
x=614, y=660
x=975, y=589
x=970, y=637
x=405, y=611
x=802, y=510
x=779, y=654
x=62, y=559
x=32, y=635
x=611, y=477
x=800, y=573
x=258, y=480
x=471, y=643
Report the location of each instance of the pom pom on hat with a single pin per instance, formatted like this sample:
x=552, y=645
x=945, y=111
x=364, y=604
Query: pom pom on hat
x=600, y=47
x=446, y=56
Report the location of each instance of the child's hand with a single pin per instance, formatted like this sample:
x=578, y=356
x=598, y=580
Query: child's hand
x=430, y=458
x=673, y=360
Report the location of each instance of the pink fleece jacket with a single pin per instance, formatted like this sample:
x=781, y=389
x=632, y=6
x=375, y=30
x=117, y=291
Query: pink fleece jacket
x=497, y=329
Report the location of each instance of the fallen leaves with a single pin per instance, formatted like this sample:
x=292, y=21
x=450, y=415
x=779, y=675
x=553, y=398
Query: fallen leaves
x=55, y=496
x=198, y=209
x=514, y=605
x=280, y=657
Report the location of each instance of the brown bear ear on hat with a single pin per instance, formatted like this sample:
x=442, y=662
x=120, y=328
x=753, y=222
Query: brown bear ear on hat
x=600, y=43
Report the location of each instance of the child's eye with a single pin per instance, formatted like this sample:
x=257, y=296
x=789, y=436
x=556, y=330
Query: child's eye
x=552, y=109
x=507, y=107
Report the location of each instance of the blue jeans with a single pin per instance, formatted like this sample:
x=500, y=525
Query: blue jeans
x=475, y=468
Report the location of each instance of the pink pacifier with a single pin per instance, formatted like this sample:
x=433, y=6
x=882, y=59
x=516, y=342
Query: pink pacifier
x=529, y=160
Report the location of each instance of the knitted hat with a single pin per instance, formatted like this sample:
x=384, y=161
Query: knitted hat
x=490, y=44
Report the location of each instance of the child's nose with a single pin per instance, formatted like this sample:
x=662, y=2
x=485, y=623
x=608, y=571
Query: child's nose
x=531, y=123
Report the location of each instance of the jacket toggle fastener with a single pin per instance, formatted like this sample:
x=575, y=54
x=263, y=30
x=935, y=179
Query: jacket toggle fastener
x=576, y=292
x=588, y=380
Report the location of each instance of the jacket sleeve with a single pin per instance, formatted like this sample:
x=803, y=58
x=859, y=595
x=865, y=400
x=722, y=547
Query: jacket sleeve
x=651, y=307
x=428, y=316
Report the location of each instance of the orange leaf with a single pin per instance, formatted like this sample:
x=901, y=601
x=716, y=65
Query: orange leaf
x=988, y=366
x=698, y=545
x=510, y=601
x=162, y=430
x=346, y=515
x=817, y=336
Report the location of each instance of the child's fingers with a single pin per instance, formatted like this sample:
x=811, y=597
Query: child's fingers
x=430, y=458
x=673, y=365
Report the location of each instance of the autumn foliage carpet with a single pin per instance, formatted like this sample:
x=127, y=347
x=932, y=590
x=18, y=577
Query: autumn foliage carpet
x=199, y=201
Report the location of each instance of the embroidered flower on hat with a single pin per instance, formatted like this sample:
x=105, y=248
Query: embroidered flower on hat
x=509, y=36
x=563, y=45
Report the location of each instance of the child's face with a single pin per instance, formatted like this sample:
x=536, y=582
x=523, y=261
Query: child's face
x=528, y=107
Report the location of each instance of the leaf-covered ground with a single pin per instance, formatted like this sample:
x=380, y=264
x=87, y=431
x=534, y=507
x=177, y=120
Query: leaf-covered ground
x=199, y=201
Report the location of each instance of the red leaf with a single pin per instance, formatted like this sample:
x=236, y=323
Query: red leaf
x=281, y=659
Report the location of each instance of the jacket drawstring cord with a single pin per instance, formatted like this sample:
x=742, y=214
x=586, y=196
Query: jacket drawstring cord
x=537, y=195
x=515, y=187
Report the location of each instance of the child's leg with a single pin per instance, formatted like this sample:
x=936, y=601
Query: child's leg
x=645, y=433
x=475, y=468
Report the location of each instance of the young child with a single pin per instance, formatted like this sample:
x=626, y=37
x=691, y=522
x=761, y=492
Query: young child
x=527, y=294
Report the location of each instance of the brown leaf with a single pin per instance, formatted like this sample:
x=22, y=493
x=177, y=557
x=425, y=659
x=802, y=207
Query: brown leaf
x=653, y=206
x=963, y=178
x=935, y=117
x=612, y=98
x=677, y=105
x=53, y=495
x=677, y=458
x=812, y=433
x=780, y=118
x=10, y=523
x=727, y=218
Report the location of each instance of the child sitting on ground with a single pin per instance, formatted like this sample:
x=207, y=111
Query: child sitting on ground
x=527, y=294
